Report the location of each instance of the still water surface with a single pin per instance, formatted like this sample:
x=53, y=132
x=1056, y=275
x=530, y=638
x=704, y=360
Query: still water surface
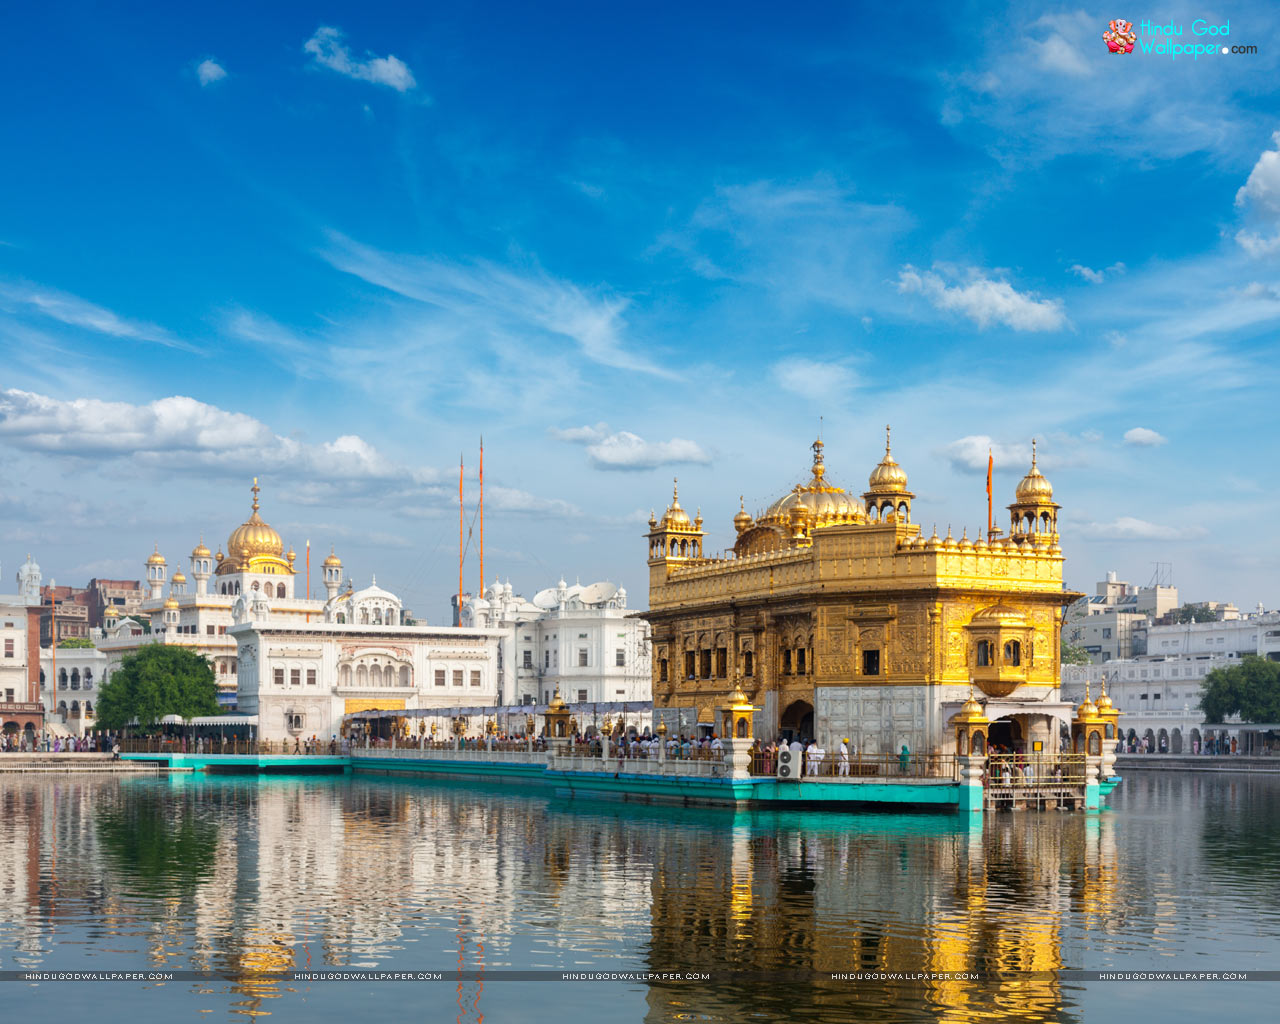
x=248, y=876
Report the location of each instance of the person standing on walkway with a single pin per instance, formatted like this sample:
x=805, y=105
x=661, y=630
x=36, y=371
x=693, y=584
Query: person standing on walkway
x=844, y=756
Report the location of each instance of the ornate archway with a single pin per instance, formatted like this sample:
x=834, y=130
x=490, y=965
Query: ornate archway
x=796, y=722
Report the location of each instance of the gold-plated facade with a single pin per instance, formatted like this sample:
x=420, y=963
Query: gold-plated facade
x=831, y=615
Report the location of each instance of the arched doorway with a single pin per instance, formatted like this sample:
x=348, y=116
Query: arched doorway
x=1175, y=744
x=797, y=721
x=1005, y=736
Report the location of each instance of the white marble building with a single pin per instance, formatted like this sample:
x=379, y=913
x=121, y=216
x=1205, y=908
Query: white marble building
x=300, y=679
x=578, y=639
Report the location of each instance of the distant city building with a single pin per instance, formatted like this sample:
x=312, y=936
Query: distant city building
x=577, y=639
x=1112, y=623
x=1159, y=692
x=80, y=673
x=20, y=707
x=71, y=614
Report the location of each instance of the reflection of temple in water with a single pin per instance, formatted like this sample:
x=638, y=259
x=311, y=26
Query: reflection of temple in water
x=894, y=896
x=248, y=878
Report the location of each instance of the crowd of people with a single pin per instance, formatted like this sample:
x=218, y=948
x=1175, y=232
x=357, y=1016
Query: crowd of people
x=27, y=742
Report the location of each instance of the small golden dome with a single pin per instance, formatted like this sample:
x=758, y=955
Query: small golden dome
x=888, y=477
x=999, y=616
x=292, y=556
x=1034, y=489
x=111, y=612
x=675, y=516
x=171, y=603
x=1104, y=702
x=156, y=558
x=333, y=561
x=822, y=503
x=178, y=577
x=200, y=551
x=742, y=521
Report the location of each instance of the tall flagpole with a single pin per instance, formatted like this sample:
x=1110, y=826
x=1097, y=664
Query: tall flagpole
x=460, y=539
x=308, y=578
x=482, y=515
x=991, y=522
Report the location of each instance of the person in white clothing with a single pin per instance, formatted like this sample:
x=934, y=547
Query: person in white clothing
x=844, y=756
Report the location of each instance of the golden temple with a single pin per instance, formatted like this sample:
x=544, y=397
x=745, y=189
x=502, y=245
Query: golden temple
x=839, y=618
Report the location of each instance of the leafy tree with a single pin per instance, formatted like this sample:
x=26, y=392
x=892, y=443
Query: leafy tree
x=1072, y=654
x=1250, y=689
x=159, y=680
x=75, y=642
x=1189, y=613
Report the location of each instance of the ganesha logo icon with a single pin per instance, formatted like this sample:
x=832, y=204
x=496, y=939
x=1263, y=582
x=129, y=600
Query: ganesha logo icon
x=1120, y=37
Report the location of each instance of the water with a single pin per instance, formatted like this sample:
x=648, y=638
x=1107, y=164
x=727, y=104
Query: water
x=244, y=877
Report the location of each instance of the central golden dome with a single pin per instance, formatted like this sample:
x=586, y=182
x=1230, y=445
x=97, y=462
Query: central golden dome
x=821, y=503
x=253, y=540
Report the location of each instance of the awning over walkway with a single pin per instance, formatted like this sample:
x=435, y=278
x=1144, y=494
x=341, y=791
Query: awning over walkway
x=602, y=708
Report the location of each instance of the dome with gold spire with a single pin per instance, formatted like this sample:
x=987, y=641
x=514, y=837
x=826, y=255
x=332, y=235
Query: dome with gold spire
x=1034, y=489
x=155, y=558
x=821, y=504
x=254, y=546
x=333, y=561
x=675, y=517
x=888, y=477
x=201, y=551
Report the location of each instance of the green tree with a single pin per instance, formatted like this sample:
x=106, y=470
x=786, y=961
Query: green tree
x=1250, y=689
x=159, y=680
x=1073, y=654
x=75, y=642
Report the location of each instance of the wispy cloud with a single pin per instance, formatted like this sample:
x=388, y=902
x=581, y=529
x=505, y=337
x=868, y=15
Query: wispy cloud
x=814, y=377
x=23, y=296
x=1132, y=528
x=623, y=450
x=209, y=71
x=514, y=302
x=328, y=50
x=1259, y=197
x=984, y=300
x=1144, y=437
x=969, y=454
x=1096, y=276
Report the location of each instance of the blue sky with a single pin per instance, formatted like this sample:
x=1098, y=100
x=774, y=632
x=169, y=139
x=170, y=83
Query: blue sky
x=332, y=244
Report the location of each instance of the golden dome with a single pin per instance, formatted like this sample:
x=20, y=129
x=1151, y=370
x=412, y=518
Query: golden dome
x=111, y=611
x=999, y=616
x=742, y=521
x=333, y=560
x=971, y=711
x=200, y=551
x=156, y=558
x=818, y=501
x=888, y=477
x=1034, y=489
x=675, y=517
x=178, y=577
x=171, y=603
x=253, y=538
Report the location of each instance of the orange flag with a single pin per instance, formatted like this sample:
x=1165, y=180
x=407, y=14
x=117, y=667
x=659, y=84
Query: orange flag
x=990, y=517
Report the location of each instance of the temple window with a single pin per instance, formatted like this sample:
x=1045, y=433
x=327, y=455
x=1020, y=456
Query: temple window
x=984, y=653
x=800, y=661
x=871, y=662
x=690, y=664
x=704, y=659
x=722, y=662
x=662, y=670
x=786, y=662
x=1013, y=653
x=747, y=665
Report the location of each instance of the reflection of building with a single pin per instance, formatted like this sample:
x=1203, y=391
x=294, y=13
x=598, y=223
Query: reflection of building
x=841, y=618
x=575, y=639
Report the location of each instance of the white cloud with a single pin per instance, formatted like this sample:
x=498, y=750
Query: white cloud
x=502, y=301
x=329, y=51
x=583, y=435
x=969, y=454
x=814, y=377
x=1092, y=276
x=1131, y=528
x=77, y=312
x=210, y=71
x=623, y=450
x=984, y=301
x=1056, y=54
x=1262, y=189
x=628, y=451
x=1143, y=437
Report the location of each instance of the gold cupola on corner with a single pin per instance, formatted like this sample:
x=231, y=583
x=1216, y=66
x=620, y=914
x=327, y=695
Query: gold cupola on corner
x=675, y=536
x=1033, y=516
x=254, y=546
x=887, y=493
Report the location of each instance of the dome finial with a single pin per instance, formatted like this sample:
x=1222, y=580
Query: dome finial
x=886, y=439
x=818, y=468
x=675, y=490
x=255, y=488
x=1033, y=453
